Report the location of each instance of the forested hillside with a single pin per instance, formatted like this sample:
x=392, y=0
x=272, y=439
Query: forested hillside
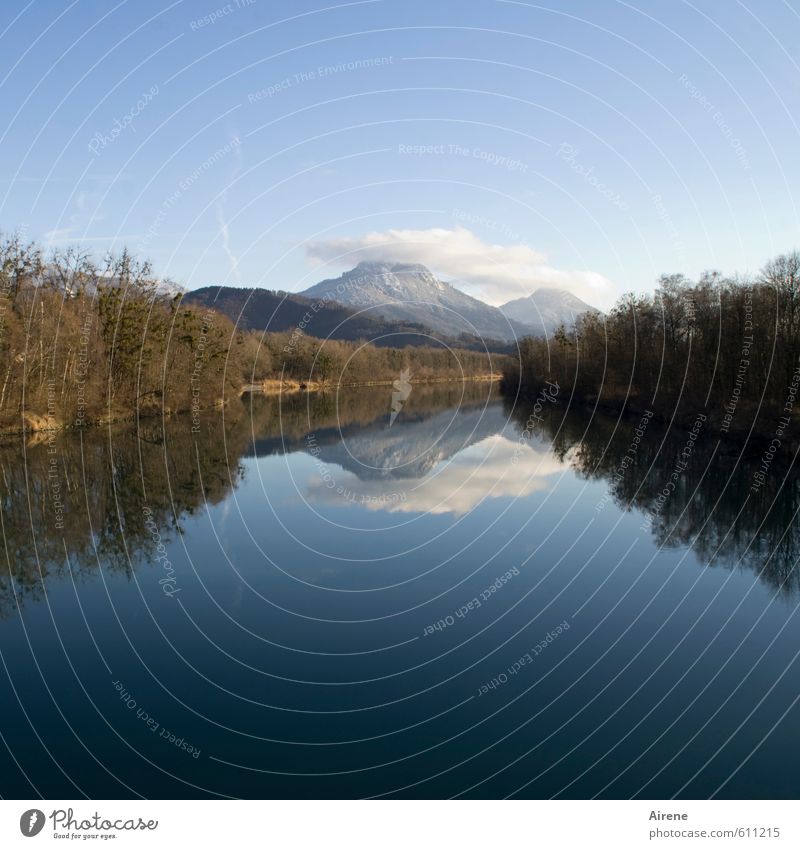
x=275, y=312
x=298, y=357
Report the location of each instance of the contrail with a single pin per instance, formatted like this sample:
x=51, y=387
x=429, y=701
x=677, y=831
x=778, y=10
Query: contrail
x=225, y=232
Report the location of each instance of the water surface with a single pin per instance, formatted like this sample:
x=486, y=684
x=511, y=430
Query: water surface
x=304, y=600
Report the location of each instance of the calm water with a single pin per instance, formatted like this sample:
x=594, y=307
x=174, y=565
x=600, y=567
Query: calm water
x=468, y=602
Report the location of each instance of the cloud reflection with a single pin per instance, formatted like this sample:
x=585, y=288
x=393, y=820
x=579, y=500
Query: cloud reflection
x=497, y=466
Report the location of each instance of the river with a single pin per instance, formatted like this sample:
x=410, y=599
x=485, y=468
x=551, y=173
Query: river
x=305, y=596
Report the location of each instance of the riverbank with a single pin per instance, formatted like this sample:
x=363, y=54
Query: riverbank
x=752, y=424
x=277, y=387
x=37, y=424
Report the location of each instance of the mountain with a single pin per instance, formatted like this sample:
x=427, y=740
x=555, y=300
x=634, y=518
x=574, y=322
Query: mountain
x=276, y=312
x=410, y=292
x=263, y=309
x=546, y=309
x=393, y=304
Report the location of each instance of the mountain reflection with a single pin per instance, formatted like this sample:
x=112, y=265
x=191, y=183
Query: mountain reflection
x=79, y=503
x=484, y=467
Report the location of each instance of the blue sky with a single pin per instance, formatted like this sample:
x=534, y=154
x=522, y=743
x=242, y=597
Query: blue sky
x=589, y=145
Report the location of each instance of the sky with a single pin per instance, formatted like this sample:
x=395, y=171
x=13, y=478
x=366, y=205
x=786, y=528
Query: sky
x=590, y=145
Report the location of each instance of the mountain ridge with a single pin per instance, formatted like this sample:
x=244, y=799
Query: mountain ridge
x=546, y=309
x=394, y=304
x=411, y=292
x=278, y=312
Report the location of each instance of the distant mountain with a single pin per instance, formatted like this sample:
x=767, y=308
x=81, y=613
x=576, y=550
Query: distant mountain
x=546, y=309
x=393, y=305
x=264, y=309
x=410, y=292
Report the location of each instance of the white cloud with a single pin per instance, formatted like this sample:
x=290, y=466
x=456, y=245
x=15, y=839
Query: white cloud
x=493, y=273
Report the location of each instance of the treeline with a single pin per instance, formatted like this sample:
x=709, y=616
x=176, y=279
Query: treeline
x=727, y=347
x=84, y=341
x=295, y=356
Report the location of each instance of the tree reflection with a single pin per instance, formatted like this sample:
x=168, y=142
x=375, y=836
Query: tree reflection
x=711, y=506
x=108, y=482
x=75, y=503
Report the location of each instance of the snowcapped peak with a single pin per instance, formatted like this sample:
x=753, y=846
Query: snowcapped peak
x=409, y=291
x=372, y=267
x=410, y=268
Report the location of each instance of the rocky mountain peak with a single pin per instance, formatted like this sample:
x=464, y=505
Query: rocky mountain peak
x=409, y=291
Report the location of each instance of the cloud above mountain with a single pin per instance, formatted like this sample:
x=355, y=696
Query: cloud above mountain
x=493, y=273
